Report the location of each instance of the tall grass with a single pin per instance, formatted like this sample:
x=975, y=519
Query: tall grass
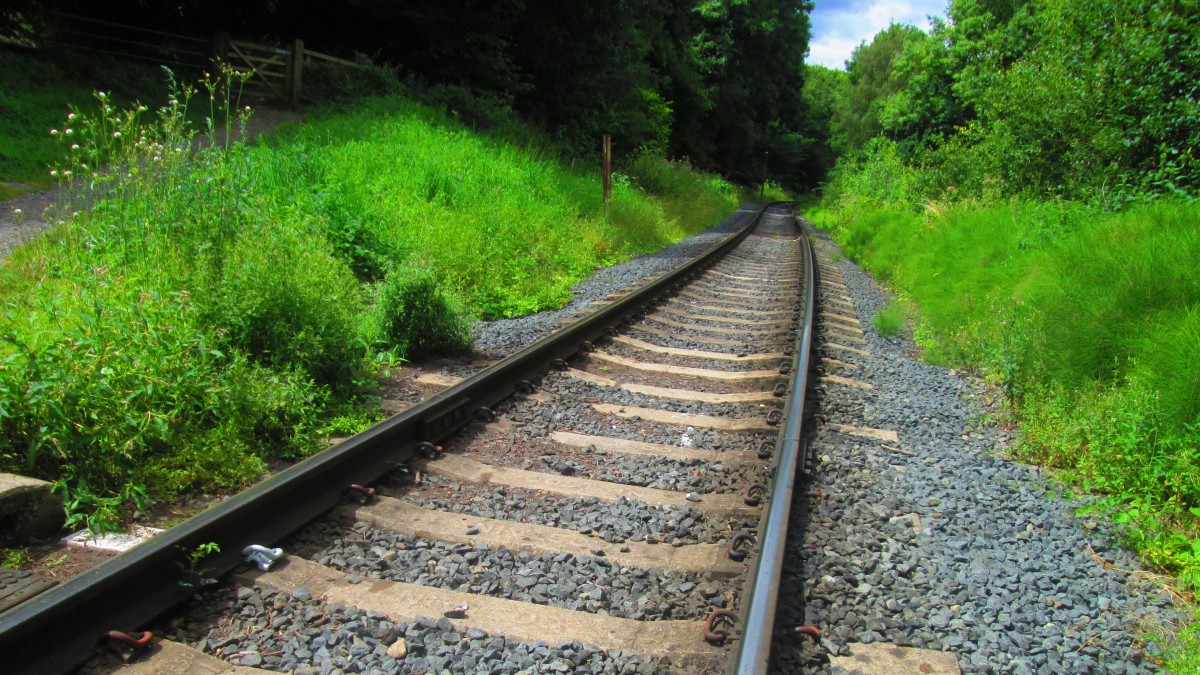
x=209, y=308
x=1090, y=321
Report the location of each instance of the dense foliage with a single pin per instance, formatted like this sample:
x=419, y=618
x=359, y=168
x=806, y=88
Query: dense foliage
x=716, y=81
x=1088, y=100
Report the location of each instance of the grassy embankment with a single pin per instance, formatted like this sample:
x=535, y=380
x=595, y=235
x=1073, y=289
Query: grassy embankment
x=1090, y=322
x=223, y=308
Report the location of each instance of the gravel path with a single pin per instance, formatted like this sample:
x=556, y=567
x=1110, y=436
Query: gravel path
x=956, y=548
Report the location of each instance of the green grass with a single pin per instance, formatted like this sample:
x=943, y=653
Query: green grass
x=223, y=308
x=1090, y=321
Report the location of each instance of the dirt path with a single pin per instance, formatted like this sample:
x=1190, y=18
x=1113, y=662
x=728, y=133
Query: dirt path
x=22, y=218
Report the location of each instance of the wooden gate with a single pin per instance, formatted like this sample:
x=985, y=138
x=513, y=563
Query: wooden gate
x=276, y=70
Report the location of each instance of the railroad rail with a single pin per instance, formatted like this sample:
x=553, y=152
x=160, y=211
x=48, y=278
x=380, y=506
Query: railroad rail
x=129, y=591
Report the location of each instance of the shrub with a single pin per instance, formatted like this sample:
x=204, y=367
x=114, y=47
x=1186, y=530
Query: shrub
x=415, y=316
x=282, y=299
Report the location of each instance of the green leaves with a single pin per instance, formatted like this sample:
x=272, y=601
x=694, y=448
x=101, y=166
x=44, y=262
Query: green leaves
x=1092, y=100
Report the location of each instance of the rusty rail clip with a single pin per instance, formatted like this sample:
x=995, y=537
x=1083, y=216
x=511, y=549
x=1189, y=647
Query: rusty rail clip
x=754, y=494
x=738, y=545
x=359, y=493
x=713, y=634
x=125, y=639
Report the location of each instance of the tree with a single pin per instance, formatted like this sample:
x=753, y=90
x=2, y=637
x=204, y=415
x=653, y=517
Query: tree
x=871, y=80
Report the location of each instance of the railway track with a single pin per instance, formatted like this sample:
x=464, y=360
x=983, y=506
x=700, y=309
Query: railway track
x=612, y=498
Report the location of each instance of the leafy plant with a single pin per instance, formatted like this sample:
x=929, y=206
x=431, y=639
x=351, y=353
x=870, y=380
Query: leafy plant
x=196, y=574
x=414, y=315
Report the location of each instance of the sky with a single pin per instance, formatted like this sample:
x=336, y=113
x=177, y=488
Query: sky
x=840, y=25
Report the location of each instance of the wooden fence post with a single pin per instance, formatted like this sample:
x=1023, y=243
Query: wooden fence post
x=607, y=150
x=295, y=68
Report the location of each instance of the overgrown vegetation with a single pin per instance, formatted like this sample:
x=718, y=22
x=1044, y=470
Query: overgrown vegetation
x=1026, y=174
x=210, y=308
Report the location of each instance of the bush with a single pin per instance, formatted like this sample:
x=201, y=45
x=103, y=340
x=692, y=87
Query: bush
x=415, y=316
x=285, y=301
x=329, y=82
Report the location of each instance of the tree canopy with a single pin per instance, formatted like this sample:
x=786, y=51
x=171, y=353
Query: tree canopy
x=1078, y=99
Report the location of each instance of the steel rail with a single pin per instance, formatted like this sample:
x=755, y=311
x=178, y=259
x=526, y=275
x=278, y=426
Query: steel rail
x=754, y=650
x=60, y=629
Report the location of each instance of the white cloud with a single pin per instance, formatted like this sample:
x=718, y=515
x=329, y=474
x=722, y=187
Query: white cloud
x=831, y=51
x=841, y=25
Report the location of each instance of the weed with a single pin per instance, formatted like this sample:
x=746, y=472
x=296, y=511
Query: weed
x=37, y=89
x=196, y=574
x=15, y=558
x=889, y=320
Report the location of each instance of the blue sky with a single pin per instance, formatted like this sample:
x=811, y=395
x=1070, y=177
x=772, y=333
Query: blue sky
x=840, y=25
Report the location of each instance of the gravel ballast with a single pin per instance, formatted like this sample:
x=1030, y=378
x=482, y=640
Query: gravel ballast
x=616, y=523
x=954, y=549
x=591, y=584
x=296, y=633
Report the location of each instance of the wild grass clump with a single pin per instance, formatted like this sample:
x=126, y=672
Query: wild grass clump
x=1090, y=322
x=390, y=180
x=889, y=321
